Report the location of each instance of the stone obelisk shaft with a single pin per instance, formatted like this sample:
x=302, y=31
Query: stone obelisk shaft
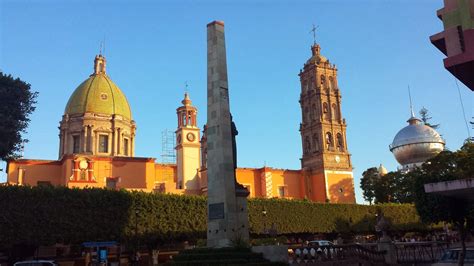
x=222, y=203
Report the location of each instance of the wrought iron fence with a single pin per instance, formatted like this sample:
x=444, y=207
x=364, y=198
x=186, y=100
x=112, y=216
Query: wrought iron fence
x=352, y=252
x=420, y=252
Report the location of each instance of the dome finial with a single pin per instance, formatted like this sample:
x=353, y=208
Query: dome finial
x=411, y=104
x=382, y=170
x=313, y=30
x=186, y=101
x=99, y=64
x=412, y=120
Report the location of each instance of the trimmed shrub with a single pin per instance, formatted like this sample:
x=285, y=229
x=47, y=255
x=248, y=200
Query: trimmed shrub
x=44, y=215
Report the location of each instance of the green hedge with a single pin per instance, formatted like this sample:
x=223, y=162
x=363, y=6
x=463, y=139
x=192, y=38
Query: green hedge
x=45, y=215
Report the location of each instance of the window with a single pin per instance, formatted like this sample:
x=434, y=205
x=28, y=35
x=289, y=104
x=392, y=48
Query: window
x=316, y=142
x=89, y=139
x=125, y=147
x=329, y=140
x=111, y=183
x=75, y=144
x=326, y=111
x=332, y=83
x=335, y=113
x=307, y=145
x=103, y=143
x=325, y=108
x=305, y=115
x=281, y=192
x=340, y=142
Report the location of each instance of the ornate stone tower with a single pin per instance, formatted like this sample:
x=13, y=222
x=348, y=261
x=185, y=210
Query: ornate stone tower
x=188, y=147
x=97, y=119
x=326, y=161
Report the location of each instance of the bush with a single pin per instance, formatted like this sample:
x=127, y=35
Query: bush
x=45, y=215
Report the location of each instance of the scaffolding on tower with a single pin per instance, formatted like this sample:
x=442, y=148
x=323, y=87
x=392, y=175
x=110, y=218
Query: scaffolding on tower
x=168, y=154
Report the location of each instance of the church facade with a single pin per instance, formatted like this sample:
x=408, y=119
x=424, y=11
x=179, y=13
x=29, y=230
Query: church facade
x=97, y=146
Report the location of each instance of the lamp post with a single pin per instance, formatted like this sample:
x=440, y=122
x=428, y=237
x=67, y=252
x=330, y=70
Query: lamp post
x=136, y=255
x=264, y=213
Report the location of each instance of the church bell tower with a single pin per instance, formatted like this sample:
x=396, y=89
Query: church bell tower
x=187, y=147
x=326, y=162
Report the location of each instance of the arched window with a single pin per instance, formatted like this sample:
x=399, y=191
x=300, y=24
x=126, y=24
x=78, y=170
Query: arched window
x=316, y=143
x=325, y=108
x=323, y=80
x=305, y=115
x=190, y=117
x=332, y=83
x=334, y=111
x=326, y=111
x=329, y=142
x=307, y=145
x=184, y=119
x=340, y=142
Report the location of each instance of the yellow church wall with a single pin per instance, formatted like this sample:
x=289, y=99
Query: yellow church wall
x=190, y=163
x=318, y=187
x=254, y=180
x=289, y=180
x=340, y=186
x=145, y=175
x=166, y=179
x=250, y=178
x=132, y=173
x=34, y=171
x=66, y=170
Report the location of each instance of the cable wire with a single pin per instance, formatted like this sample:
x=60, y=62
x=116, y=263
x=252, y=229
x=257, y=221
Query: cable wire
x=463, y=112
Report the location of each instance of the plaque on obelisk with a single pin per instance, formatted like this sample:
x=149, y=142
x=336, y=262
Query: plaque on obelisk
x=227, y=204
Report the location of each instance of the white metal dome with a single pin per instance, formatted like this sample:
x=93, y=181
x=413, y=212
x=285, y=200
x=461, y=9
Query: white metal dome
x=416, y=143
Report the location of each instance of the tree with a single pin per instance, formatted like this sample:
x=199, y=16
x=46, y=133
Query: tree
x=425, y=117
x=17, y=102
x=367, y=183
x=395, y=187
x=402, y=184
x=433, y=208
x=384, y=188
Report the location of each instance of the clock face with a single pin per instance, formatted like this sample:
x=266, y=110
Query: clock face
x=337, y=158
x=178, y=139
x=83, y=164
x=190, y=137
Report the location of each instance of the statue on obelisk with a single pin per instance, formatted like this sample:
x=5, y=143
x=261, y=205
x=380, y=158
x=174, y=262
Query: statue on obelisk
x=226, y=199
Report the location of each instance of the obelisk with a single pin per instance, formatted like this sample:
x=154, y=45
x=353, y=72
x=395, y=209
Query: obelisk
x=227, y=211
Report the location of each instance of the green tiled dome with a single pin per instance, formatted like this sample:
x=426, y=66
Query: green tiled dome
x=98, y=94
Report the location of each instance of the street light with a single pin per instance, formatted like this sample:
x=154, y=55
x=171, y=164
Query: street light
x=264, y=213
x=136, y=255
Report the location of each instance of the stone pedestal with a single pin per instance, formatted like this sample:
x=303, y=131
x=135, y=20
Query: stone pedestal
x=386, y=244
x=273, y=253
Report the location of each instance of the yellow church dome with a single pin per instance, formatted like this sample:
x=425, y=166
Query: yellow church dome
x=98, y=94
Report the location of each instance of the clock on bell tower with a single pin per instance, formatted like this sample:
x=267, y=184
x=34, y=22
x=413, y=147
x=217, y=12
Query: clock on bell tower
x=187, y=147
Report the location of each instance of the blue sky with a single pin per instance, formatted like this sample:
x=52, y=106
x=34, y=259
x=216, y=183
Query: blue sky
x=153, y=48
